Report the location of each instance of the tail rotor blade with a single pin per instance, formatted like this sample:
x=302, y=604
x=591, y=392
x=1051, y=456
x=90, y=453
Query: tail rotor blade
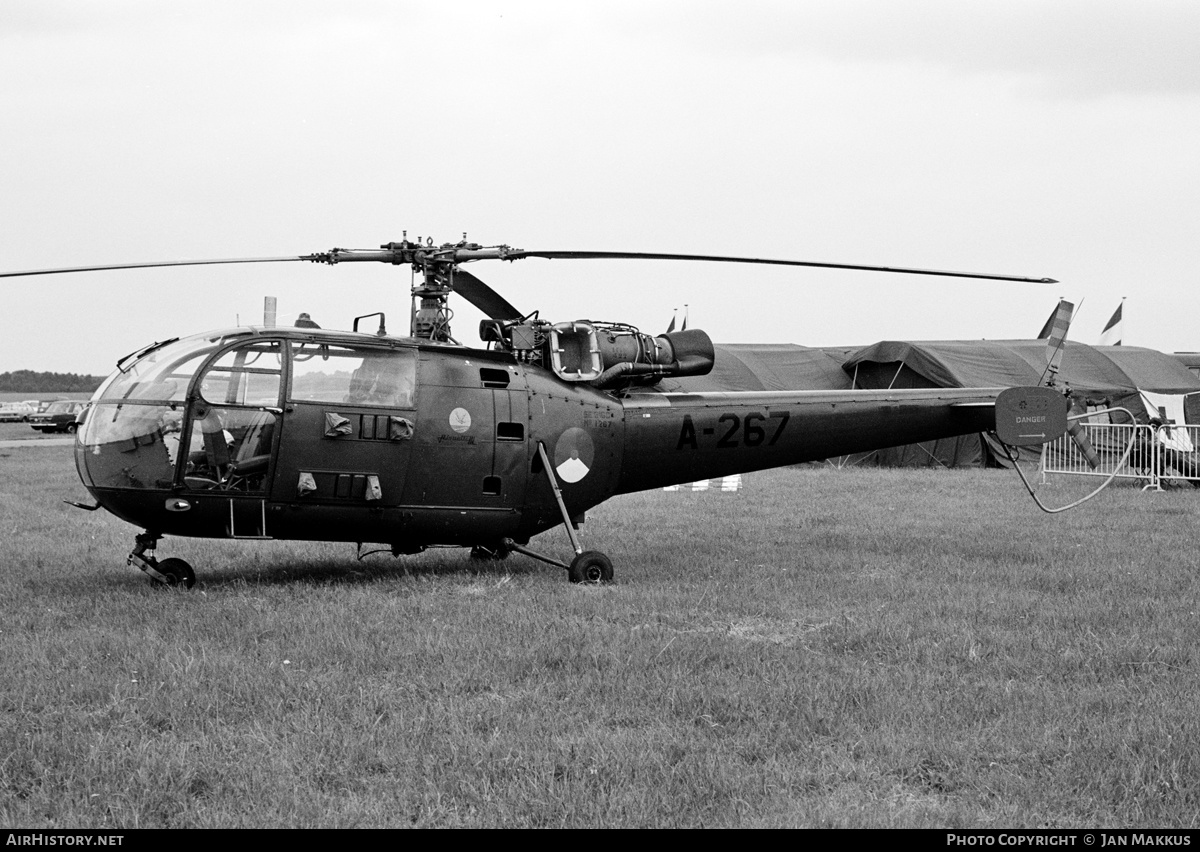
x=1079, y=436
x=1060, y=324
x=1056, y=337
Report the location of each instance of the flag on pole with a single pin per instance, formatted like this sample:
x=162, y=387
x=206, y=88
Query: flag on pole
x=685, y=315
x=1111, y=336
x=671, y=327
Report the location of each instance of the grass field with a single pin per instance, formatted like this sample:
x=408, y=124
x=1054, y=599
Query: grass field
x=846, y=648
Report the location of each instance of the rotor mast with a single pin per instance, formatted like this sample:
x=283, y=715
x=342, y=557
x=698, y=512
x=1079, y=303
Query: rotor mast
x=430, y=315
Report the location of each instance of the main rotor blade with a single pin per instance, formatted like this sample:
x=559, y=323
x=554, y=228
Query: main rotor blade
x=63, y=269
x=392, y=254
x=517, y=254
x=483, y=297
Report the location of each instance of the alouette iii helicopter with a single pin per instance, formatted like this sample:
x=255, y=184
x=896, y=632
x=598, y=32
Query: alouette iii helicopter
x=311, y=434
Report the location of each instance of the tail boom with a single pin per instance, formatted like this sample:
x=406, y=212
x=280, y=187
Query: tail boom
x=671, y=438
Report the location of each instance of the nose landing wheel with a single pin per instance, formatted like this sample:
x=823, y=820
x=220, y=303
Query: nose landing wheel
x=169, y=572
x=177, y=572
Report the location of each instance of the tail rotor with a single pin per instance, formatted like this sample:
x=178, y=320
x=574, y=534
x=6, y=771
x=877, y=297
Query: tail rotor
x=1056, y=340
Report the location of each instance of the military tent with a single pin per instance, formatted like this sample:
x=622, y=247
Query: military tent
x=1135, y=378
x=770, y=366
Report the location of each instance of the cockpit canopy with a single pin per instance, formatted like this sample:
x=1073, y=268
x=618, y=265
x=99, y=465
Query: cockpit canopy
x=219, y=396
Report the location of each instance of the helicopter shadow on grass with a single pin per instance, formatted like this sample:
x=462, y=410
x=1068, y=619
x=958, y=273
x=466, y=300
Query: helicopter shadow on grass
x=372, y=569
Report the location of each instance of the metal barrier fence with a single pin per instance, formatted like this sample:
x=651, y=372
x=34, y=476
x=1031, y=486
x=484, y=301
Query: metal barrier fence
x=1159, y=454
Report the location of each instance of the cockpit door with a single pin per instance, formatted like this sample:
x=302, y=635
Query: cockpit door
x=232, y=427
x=346, y=431
x=233, y=413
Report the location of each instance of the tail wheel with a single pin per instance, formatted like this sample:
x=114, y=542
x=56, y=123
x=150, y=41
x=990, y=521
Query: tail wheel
x=177, y=572
x=590, y=567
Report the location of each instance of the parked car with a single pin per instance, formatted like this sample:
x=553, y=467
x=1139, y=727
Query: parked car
x=16, y=412
x=61, y=416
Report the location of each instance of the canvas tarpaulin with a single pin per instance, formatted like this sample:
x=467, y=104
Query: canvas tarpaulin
x=759, y=367
x=1095, y=375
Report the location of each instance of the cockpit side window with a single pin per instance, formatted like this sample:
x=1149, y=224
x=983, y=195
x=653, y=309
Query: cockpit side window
x=249, y=375
x=326, y=373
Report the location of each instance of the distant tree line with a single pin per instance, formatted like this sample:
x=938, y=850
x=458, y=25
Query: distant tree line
x=27, y=381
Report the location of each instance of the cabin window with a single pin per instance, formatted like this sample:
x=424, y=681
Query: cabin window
x=507, y=431
x=491, y=378
x=248, y=375
x=347, y=375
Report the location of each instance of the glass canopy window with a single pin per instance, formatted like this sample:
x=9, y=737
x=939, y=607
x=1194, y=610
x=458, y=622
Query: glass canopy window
x=134, y=433
x=162, y=373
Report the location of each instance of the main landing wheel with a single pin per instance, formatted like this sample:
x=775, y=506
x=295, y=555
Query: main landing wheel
x=177, y=572
x=590, y=567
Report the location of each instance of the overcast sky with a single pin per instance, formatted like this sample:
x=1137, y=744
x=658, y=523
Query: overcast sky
x=1058, y=138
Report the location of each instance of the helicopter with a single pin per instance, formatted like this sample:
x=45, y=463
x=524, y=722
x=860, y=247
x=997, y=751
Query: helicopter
x=308, y=433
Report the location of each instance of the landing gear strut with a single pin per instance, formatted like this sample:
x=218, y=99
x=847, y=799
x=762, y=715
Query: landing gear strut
x=588, y=566
x=169, y=572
